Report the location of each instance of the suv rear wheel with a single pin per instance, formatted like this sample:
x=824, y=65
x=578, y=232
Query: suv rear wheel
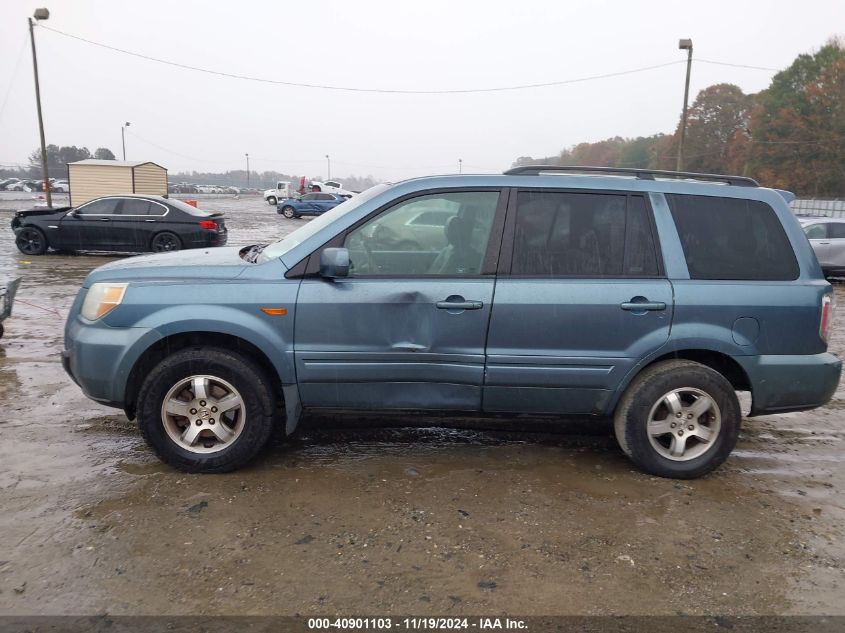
x=206, y=410
x=678, y=419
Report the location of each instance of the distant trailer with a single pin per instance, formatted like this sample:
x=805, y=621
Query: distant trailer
x=92, y=178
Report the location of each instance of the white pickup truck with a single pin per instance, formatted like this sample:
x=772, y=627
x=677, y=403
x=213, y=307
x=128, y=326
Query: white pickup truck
x=283, y=190
x=331, y=186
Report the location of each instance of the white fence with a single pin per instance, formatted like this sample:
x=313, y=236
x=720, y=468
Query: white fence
x=830, y=208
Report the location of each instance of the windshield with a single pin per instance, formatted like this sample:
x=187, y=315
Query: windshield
x=277, y=249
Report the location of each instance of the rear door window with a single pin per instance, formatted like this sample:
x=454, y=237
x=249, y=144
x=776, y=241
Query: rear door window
x=563, y=234
x=134, y=206
x=816, y=231
x=732, y=238
x=836, y=230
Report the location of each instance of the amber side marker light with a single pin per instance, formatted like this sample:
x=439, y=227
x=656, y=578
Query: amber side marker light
x=275, y=311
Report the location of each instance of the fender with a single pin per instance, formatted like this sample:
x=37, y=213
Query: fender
x=721, y=343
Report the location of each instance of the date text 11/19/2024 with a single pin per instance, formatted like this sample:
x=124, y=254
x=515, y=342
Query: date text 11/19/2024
x=416, y=624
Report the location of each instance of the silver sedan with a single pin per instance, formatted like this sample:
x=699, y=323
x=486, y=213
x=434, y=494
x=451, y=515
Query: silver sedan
x=827, y=237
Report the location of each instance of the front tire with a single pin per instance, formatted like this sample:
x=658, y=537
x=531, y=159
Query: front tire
x=206, y=410
x=289, y=212
x=678, y=419
x=271, y=201
x=31, y=241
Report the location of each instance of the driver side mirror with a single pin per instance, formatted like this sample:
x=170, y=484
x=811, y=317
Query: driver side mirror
x=334, y=263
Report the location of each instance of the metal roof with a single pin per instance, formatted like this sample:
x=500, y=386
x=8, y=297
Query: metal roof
x=114, y=163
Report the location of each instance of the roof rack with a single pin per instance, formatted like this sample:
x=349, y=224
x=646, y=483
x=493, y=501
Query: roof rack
x=641, y=174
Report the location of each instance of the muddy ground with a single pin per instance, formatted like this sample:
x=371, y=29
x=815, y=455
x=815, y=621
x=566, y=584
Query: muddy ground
x=362, y=516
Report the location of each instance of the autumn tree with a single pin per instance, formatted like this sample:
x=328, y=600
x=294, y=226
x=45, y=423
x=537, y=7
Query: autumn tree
x=798, y=126
x=717, y=115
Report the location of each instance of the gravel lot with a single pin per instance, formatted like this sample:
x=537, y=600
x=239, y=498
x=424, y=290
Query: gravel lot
x=367, y=516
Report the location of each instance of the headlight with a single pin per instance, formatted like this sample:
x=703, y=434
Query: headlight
x=102, y=299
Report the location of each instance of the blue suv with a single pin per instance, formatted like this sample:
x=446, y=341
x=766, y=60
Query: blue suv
x=648, y=297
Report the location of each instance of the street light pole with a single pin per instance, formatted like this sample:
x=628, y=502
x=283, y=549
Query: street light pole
x=247, y=171
x=328, y=167
x=460, y=165
x=40, y=14
x=685, y=44
x=123, y=137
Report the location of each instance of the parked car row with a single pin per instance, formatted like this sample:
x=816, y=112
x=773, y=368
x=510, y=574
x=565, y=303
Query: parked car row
x=29, y=185
x=185, y=187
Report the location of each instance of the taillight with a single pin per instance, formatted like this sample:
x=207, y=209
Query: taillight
x=828, y=310
x=208, y=224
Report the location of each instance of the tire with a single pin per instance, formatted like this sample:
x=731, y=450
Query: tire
x=2, y=330
x=220, y=445
x=653, y=427
x=165, y=242
x=289, y=212
x=31, y=241
x=271, y=200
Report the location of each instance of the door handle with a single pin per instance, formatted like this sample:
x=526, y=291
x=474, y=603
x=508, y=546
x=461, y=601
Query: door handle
x=149, y=220
x=459, y=304
x=636, y=306
x=105, y=219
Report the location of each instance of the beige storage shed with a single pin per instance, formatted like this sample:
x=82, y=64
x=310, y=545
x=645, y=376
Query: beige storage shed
x=92, y=178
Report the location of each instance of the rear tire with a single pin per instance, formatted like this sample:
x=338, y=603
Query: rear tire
x=200, y=383
x=165, y=242
x=31, y=241
x=678, y=419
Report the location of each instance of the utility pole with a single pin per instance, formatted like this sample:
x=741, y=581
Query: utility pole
x=328, y=167
x=247, y=171
x=460, y=165
x=40, y=14
x=684, y=45
x=123, y=137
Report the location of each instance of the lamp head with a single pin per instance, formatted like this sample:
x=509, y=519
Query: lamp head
x=685, y=44
x=41, y=14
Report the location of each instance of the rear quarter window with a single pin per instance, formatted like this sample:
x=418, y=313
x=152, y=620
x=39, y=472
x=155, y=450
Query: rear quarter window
x=731, y=238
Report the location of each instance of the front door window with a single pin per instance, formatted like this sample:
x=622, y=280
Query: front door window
x=453, y=240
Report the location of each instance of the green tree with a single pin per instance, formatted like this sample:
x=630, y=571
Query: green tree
x=58, y=158
x=104, y=153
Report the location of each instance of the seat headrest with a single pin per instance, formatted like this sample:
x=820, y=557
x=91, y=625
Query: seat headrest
x=458, y=231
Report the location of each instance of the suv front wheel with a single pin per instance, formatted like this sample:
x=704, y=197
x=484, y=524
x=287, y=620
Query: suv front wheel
x=206, y=410
x=678, y=419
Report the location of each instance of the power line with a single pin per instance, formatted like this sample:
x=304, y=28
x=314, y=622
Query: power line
x=708, y=61
x=14, y=76
x=170, y=151
x=370, y=90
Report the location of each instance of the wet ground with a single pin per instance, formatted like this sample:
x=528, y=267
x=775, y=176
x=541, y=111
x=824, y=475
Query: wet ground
x=362, y=516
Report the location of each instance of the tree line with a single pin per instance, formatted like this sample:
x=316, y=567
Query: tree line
x=789, y=136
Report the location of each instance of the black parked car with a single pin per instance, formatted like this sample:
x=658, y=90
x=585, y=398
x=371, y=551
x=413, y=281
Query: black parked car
x=118, y=223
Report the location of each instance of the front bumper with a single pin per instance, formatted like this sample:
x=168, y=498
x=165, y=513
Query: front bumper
x=100, y=358
x=791, y=383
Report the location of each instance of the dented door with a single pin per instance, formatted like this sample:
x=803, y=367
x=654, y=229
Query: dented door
x=375, y=344
x=407, y=329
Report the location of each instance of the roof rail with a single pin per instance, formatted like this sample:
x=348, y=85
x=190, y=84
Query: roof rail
x=642, y=174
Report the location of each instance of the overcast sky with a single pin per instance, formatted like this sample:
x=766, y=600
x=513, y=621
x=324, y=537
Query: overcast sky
x=188, y=120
